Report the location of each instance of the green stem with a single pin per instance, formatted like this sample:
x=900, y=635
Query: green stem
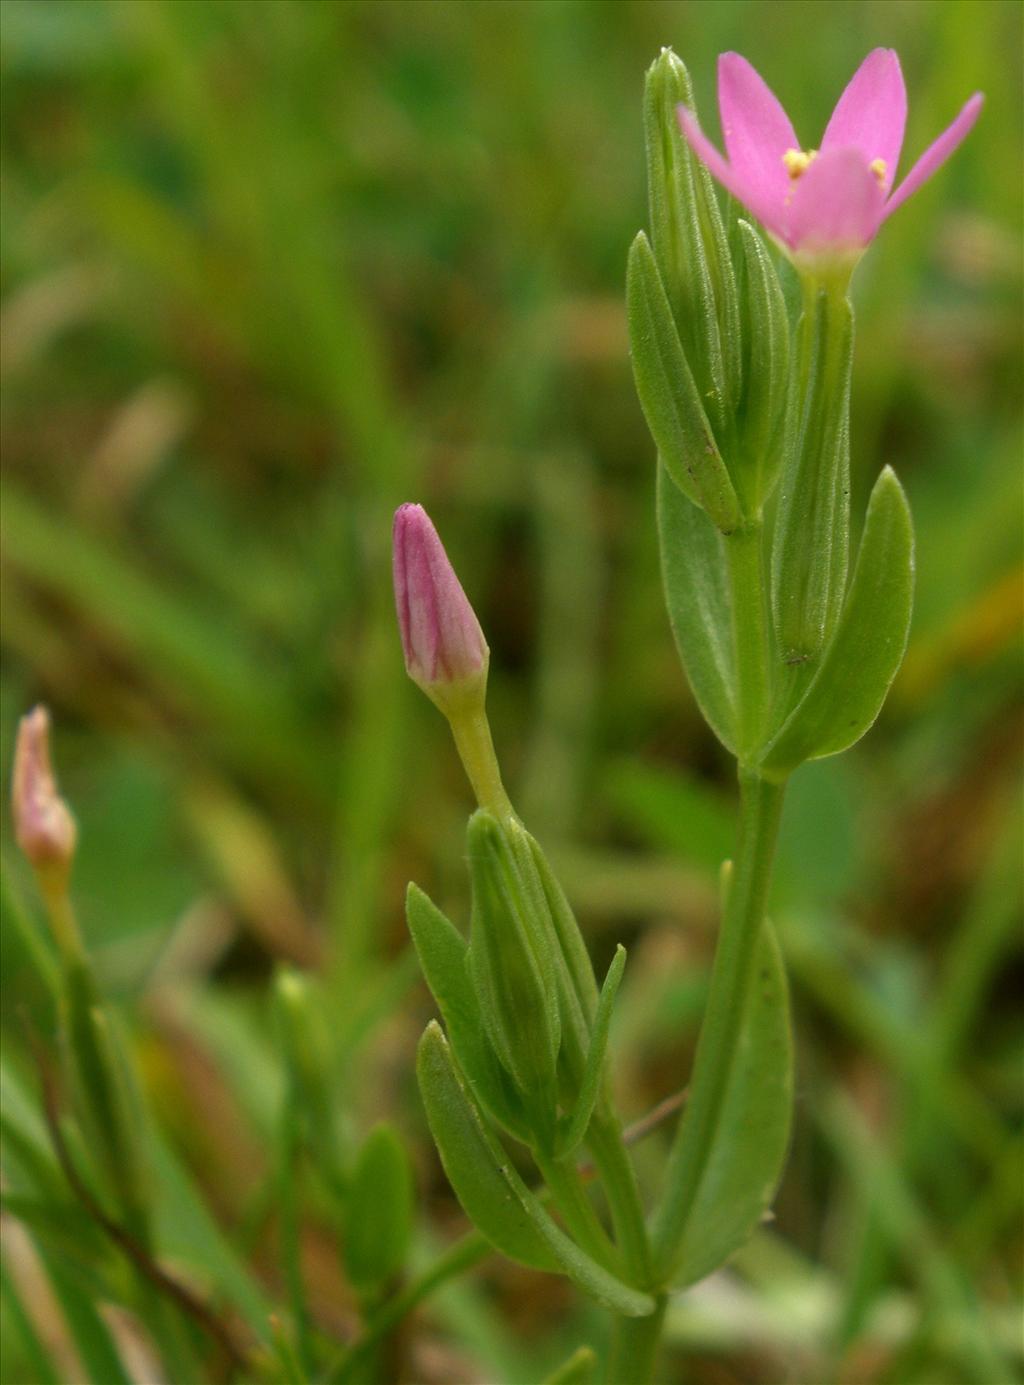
x=760, y=812
x=570, y=1197
x=635, y=1347
x=744, y=549
x=473, y=741
x=618, y=1178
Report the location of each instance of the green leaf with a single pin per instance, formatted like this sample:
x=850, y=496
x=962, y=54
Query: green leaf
x=668, y=395
x=695, y=575
x=847, y=691
x=593, y=1073
x=811, y=549
x=378, y=1226
x=90, y=1334
x=745, y=1161
x=578, y=1370
x=475, y=1168
x=442, y=951
x=186, y=1234
x=107, y=1098
x=493, y=1195
x=765, y=373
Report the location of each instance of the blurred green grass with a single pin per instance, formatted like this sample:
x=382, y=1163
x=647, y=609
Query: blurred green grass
x=271, y=269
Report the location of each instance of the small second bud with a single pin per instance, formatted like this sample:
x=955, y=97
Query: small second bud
x=43, y=825
x=445, y=650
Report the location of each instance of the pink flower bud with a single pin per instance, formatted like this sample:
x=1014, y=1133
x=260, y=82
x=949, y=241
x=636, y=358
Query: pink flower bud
x=445, y=650
x=43, y=825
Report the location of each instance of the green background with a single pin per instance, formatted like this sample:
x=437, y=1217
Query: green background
x=269, y=270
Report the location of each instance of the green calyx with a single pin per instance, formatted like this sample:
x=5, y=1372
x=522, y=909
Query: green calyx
x=519, y=1000
x=511, y=962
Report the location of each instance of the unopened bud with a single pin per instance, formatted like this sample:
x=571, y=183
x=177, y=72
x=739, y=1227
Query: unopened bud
x=445, y=650
x=43, y=825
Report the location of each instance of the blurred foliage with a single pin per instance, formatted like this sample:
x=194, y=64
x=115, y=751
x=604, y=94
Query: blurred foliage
x=270, y=269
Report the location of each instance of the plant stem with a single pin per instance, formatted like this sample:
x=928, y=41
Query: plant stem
x=570, y=1197
x=744, y=548
x=634, y=1340
x=618, y=1179
x=635, y=1347
x=473, y=741
x=760, y=812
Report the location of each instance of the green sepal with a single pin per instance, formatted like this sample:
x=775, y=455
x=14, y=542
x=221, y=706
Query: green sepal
x=512, y=967
x=848, y=688
x=695, y=574
x=742, y=1168
x=491, y=1192
x=578, y=1370
x=379, y=1217
x=668, y=395
x=442, y=951
x=812, y=531
x=575, y=1128
x=577, y=989
x=689, y=240
x=765, y=328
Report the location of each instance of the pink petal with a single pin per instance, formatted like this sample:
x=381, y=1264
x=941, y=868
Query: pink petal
x=749, y=192
x=936, y=154
x=872, y=112
x=756, y=129
x=836, y=204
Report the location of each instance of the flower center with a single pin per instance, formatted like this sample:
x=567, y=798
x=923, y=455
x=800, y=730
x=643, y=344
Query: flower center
x=798, y=161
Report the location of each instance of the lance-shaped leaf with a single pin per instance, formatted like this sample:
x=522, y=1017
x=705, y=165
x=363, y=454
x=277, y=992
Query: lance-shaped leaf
x=442, y=951
x=107, y=1100
x=668, y=395
x=593, y=1072
x=765, y=372
x=847, y=691
x=742, y=1168
x=378, y=1225
x=695, y=573
x=812, y=532
x=493, y=1195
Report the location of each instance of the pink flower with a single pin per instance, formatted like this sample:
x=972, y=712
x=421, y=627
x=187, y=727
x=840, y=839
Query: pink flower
x=828, y=203
x=443, y=644
x=43, y=825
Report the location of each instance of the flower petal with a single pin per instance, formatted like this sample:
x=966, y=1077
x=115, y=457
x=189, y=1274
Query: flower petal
x=756, y=129
x=937, y=153
x=836, y=205
x=768, y=210
x=871, y=113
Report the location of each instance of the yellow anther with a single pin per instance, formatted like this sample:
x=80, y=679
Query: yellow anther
x=798, y=161
x=879, y=168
